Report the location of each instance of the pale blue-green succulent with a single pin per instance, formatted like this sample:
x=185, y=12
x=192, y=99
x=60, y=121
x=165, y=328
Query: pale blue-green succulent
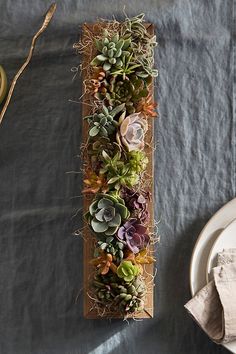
x=106, y=214
x=103, y=123
x=111, y=51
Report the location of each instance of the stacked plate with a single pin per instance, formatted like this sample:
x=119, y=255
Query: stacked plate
x=218, y=234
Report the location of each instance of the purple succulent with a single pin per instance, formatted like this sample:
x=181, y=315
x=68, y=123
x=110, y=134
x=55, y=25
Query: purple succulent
x=133, y=234
x=138, y=203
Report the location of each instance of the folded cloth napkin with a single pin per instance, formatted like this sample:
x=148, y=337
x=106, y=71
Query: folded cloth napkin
x=227, y=256
x=214, y=307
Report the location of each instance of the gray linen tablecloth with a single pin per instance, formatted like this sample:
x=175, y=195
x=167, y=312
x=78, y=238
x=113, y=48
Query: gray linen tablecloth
x=40, y=259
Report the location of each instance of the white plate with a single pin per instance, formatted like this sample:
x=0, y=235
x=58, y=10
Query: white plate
x=203, y=246
x=226, y=240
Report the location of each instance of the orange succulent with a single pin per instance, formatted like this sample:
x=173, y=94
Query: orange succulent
x=104, y=263
x=96, y=81
x=147, y=106
x=143, y=258
x=95, y=183
x=140, y=258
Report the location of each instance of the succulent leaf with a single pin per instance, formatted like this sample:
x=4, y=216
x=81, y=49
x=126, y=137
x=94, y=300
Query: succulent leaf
x=111, y=230
x=99, y=45
x=104, y=203
x=94, y=131
x=98, y=226
x=93, y=208
x=116, y=221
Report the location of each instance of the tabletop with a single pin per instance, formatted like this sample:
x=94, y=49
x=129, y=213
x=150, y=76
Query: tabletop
x=41, y=259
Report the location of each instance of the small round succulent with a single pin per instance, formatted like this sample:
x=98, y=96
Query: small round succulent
x=95, y=149
x=137, y=289
x=127, y=271
x=129, y=304
x=127, y=297
x=103, y=124
x=111, y=245
x=137, y=160
x=111, y=51
x=134, y=235
x=106, y=214
x=129, y=91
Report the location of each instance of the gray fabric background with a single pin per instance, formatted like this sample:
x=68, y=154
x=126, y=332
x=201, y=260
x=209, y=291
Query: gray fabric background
x=40, y=259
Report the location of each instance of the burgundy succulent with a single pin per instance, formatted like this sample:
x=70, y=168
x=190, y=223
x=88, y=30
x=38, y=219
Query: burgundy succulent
x=137, y=202
x=133, y=234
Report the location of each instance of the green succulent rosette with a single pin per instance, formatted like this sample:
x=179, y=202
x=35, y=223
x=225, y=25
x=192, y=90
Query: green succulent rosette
x=103, y=123
x=112, y=51
x=106, y=214
x=117, y=91
x=118, y=295
x=111, y=245
x=127, y=271
x=123, y=172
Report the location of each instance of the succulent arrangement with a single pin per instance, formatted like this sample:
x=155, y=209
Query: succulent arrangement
x=115, y=91
x=113, y=291
x=120, y=82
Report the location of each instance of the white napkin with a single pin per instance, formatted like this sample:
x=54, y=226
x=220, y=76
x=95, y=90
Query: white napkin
x=214, y=307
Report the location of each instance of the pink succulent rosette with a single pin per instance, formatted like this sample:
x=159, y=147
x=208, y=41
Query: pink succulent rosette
x=134, y=235
x=132, y=131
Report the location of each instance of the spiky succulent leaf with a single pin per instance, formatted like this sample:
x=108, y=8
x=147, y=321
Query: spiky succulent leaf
x=117, y=110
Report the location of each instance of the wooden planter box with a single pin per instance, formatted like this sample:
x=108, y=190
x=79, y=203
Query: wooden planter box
x=88, y=248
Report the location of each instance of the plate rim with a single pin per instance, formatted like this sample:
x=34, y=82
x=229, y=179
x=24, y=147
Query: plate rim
x=210, y=253
x=214, y=216
x=199, y=238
